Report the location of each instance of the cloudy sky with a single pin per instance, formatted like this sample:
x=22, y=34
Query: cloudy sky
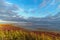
x=25, y=10
x=18, y=9
x=37, y=8
x=36, y=12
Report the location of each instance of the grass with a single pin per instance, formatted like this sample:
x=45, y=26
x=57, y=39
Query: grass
x=10, y=32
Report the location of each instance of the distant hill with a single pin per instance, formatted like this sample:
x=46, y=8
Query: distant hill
x=9, y=27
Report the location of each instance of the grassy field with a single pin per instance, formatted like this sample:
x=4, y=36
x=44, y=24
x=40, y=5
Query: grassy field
x=11, y=32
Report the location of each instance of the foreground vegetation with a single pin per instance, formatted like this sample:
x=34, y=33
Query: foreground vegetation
x=9, y=32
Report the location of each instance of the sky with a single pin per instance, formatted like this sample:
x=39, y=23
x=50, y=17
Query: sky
x=22, y=10
x=37, y=8
x=32, y=12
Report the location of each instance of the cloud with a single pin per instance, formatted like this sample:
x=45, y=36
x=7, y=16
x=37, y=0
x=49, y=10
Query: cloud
x=46, y=22
x=53, y=2
x=59, y=6
x=48, y=3
x=9, y=11
x=9, y=14
x=44, y=3
x=31, y=10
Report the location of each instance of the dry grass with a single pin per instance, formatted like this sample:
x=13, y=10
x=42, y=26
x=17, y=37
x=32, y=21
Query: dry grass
x=10, y=32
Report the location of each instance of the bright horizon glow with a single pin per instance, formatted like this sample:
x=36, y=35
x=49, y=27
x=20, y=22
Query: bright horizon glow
x=2, y=21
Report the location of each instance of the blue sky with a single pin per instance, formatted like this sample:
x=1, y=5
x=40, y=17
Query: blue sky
x=37, y=8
